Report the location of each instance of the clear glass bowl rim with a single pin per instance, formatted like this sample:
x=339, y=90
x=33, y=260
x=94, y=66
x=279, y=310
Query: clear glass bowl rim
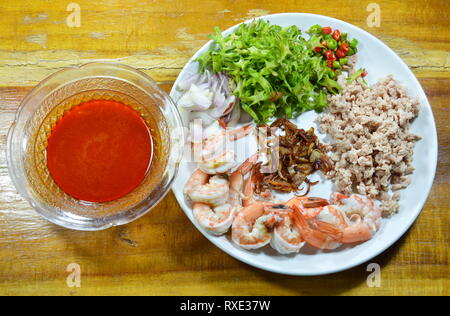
x=16, y=171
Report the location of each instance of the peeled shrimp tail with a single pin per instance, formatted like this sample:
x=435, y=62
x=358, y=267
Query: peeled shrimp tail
x=237, y=180
x=316, y=237
x=313, y=202
x=239, y=133
x=309, y=206
x=247, y=165
x=364, y=216
x=249, y=189
x=357, y=233
x=336, y=197
x=251, y=227
x=348, y=235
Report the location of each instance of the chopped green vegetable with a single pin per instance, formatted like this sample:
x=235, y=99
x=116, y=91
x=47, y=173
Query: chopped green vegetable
x=265, y=60
x=315, y=41
x=332, y=44
x=315, y=29
x=354, y=43
x=355, y=75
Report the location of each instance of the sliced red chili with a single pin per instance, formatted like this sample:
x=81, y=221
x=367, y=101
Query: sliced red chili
x=336, y=35
x=329, y=54
x=340, y=53
x=364, y=74
x=326, y=30
x=345, y=48
x=318, y=49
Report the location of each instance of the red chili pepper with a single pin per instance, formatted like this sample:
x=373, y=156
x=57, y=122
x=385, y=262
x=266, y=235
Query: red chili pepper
x=329, y=54
x=318, y=49
x=365, y=73
x=340, y=53
x=330, y=63
x=345, y=48
x=336, y=35
x=326, y=30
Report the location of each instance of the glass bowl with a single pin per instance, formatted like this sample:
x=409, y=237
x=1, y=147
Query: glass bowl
x=59, y=93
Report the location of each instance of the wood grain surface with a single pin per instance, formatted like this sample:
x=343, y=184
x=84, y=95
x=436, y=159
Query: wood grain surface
x=162, y=253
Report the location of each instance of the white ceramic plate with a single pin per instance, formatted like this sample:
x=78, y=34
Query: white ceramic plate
x=380, y=61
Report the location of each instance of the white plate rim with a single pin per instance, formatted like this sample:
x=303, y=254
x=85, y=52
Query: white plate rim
x=420, y=205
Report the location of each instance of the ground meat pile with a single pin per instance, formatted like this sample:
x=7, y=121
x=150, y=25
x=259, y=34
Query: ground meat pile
x=372, y=147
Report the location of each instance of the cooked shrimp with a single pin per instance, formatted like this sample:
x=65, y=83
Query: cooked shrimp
x=310, y=206
x=316, y=213
x=218, y=164
x=353, y=219
x=318, y=234
x=363, y=214
x=217, y=220
x=251, y=227
x=250, y=185
x=237, y=181
x=217, y=199
x=287, y=237
x=249, y=188
x=204, y=188
x=198, y=178
x=215, y=154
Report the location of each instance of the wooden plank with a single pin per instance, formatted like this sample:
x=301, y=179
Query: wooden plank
x=160, y=39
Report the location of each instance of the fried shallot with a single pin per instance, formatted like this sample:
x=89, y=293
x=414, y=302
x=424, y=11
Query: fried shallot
x=300, y=155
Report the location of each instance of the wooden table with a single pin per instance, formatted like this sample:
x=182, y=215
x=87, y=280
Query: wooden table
x=162, y=253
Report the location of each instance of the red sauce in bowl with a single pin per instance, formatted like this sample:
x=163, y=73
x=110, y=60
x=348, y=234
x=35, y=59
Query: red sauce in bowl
x=99, y=151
